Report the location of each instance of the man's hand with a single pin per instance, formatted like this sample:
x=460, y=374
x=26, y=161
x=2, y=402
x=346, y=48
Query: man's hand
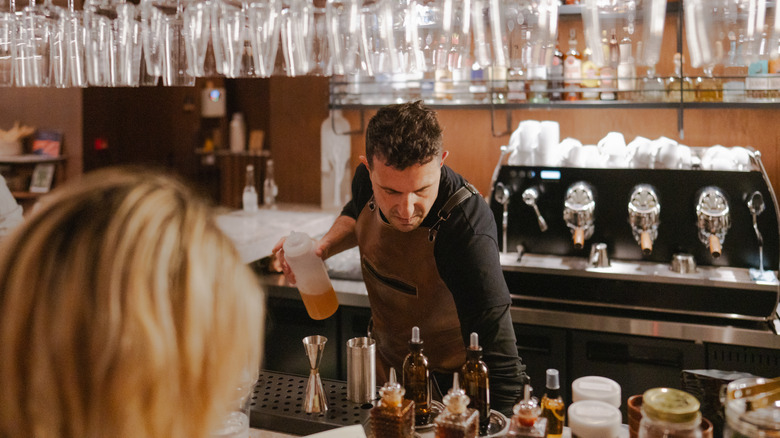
x=340, y=237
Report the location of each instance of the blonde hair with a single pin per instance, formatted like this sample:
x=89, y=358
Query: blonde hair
x=124, y=312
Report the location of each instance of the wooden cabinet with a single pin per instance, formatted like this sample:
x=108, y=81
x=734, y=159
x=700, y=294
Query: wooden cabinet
x=29, y=176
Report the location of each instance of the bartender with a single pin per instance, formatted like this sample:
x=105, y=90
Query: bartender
x=429, y=254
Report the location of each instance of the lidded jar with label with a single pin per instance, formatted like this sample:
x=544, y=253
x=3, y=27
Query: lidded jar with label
x=669, y=413
x=752, y=408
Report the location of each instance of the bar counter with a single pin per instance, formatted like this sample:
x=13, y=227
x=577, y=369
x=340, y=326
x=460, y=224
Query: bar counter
x=353, y=293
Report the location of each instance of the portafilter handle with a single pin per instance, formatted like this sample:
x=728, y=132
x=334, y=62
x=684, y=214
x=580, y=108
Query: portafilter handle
x=578, y=211
x=530, y=195
x=713, y=218
x=644, y=212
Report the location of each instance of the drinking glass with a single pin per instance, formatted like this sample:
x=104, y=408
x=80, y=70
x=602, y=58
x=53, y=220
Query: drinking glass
x=320, y=58
x=40, y=57
x=197, y=33
x=164, y=42
x=343, y=27
x=297, y=28
x=175, y=70
x=431, y=26
x=100, y=44
x=378, y=49
x=7, y=30
x=75, y=47
x=231, y=25
x=264, y=19
x=127, y=51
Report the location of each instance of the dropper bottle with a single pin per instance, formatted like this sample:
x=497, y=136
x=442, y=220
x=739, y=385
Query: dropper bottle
x=393, y=416
x=416, y=377
x=457, y=420
x=475, y=381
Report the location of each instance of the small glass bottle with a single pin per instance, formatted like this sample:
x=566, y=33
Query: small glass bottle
x=668, y=412
x=679, y=88
x=608, y=72
x=653, y=87
x=457, y=420
x=474, y=380
x=416, y=378
x=270, y=190
x=626, y=71
x=590, y=77
x=555, y=75
x=393, y=415
x=525, y=422
x=553, y=408
x=572, y=68
x=249, y=198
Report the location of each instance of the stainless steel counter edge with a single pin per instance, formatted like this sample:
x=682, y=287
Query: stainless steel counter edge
x=353, y=293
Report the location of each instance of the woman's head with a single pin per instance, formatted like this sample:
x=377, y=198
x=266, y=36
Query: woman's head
x=124, y=311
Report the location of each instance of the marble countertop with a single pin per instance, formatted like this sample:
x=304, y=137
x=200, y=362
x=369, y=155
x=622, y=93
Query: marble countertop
x=256, y=233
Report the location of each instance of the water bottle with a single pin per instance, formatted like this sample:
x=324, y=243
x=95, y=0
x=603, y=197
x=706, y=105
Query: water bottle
x=311, y=276
x=249, y=199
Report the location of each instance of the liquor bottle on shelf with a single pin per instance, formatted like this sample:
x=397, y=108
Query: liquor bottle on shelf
x=679, y=88
x=626, y=71
x=572, y=68
x=270, y=189
x=553, y=408
x=515, y=83
x=609, y=71
x=457, y=420
x=393, y=415
x=653, y=88
x=708, y=88
x=249, y=197
x=590, y=77
x=555, y=73
x=474, y=379
x=416, y=378
x=536, y=75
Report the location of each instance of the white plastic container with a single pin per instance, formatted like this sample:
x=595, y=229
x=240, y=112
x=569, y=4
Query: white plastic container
x=237, y=133
x=311, y=276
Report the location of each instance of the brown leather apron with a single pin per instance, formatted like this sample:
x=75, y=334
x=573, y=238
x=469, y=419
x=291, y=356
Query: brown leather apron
x=405, y=290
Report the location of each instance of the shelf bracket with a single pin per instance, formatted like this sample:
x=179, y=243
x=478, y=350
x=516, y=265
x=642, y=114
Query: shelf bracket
x=352, y=132
x=508, y=114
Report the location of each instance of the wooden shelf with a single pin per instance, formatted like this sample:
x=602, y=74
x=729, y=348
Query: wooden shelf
x=29, y=158
x=26, y=195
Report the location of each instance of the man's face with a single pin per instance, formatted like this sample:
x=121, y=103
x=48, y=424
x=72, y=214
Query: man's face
x=405, y=196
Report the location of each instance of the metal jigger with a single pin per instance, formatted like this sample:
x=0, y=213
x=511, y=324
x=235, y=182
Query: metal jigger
x=314, y=399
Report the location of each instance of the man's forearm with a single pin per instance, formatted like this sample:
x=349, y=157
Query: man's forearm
x=340, y=237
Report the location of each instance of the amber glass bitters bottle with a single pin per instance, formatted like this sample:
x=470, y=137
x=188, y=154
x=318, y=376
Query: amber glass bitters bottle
x=474, y=380
x=416, y=377
x=393, y=415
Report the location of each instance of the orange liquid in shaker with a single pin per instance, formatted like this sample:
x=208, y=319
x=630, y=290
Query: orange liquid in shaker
x=320, y=306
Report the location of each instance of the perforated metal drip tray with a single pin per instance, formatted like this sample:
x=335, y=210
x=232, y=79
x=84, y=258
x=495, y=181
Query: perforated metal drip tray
x=277, y=404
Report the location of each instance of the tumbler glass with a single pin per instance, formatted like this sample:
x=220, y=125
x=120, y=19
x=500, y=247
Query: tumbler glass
x=378, y=49
x=7, y=30
x=75, y=47
x=343, y=27
x=297, y=29
x=264, y=20
x=231, y=23
x=40, y=56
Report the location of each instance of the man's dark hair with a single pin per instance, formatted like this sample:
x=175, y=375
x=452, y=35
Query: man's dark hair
x=403, y=135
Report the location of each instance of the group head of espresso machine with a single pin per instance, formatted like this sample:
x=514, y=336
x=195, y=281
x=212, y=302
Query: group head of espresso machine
x=562, y=219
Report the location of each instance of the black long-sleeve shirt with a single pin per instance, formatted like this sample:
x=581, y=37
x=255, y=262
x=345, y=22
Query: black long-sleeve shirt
x=467, y=257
